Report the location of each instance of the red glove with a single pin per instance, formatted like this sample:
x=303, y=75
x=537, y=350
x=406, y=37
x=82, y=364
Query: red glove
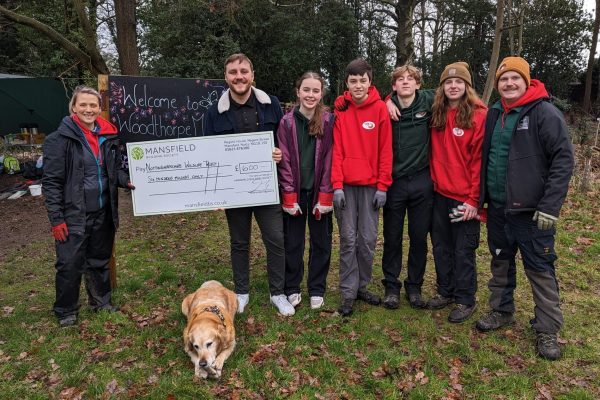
x=60, y=232
x=290, y=204
x=482, y=215
x=324, y=205
x=340, y=104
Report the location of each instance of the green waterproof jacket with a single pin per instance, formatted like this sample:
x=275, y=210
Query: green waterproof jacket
x=411, y=135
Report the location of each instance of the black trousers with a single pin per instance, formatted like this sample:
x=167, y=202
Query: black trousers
x=269, y=221
x=319, y=253
x=507, y=234
x=85, y=253
x=454, y=246
x=412, y=195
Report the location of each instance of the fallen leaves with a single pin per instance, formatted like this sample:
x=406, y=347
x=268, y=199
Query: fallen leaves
x=71, y=393
x=543, y=392
x=156, y=317
x=7, y=311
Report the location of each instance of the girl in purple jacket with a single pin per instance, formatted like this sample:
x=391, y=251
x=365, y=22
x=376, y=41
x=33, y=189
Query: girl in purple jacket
x=305, y=138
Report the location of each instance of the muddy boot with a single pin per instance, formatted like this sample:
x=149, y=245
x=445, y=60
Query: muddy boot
x=391, y=300
x=494, y=320
x=546, y=345
x=438, y=301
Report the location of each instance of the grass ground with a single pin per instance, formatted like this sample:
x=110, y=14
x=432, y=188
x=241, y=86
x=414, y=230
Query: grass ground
x=375, y=354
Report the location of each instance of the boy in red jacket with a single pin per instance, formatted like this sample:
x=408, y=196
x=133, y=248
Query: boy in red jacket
x=361, y=173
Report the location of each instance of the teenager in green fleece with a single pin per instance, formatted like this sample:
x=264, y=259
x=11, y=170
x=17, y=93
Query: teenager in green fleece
x=412, y=189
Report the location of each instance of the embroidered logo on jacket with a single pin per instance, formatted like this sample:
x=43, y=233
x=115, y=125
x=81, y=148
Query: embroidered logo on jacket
x=458, y=132
x=421, y=114
x=524, y=123
x=368, y=125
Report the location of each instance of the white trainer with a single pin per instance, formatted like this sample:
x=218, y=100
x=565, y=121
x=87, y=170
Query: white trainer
x=294, y=299
x=316, y=302
x=243, y=300
x=283, y=305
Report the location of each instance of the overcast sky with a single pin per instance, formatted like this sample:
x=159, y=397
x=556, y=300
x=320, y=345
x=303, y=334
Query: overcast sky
x=589, y=5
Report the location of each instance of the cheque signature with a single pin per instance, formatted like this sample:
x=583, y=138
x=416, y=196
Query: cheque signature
x=261, y=186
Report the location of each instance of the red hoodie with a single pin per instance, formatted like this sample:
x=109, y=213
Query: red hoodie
x=362, y=144
x=105, y=128
x=455, y=159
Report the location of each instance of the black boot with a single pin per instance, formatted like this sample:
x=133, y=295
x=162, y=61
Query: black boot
x=391, y=300
x=546, y=345
x=494, y=320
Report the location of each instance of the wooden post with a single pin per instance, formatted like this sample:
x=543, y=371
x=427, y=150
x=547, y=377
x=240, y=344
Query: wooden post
x=103, y=89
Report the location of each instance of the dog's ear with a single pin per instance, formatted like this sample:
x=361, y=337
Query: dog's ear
x=185, y=304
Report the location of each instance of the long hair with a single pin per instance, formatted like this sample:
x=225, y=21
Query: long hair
x=315, y=126
x=464, y=116
x=83, y=90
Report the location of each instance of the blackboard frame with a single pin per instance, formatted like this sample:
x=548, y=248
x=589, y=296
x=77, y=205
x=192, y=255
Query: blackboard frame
x=152, y=108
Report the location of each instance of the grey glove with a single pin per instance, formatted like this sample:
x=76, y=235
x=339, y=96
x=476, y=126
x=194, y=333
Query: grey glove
x=544, y=221
x=379, y=199
x=457, y=214
x=339, y=200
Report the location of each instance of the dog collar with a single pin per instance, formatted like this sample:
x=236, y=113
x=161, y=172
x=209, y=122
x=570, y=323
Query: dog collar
x=217, y=311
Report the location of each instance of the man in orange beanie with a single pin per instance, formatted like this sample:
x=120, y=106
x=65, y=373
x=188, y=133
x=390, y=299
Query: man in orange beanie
x=527, y=163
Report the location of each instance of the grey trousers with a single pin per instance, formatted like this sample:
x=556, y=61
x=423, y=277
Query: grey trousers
x=357, y=223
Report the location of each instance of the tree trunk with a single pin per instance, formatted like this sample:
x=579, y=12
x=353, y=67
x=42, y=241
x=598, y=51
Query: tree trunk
x=511, y=33
x=521, y=21
x=127, y=37
x=489, y=83
x=587, y=96
x=91, y=40
x=94, y=62
x=405, y=47
x=423, y=32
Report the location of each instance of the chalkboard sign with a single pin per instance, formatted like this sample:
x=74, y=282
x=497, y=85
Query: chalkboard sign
x=145, y=108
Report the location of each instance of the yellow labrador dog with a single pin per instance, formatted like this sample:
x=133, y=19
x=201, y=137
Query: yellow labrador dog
x=209, y=337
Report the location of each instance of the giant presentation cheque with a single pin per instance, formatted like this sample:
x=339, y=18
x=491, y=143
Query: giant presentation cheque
x=203, y=173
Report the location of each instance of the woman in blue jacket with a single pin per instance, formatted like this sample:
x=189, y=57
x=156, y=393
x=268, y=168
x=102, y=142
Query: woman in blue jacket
x=82, y=169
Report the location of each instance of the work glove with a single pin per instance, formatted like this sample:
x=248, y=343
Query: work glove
x=457, y=214
x=290, y=204
x=379, y=199
x=339, y=200
x=340, y=103
x=324, y=205
x=60, y=232
x=544, y=221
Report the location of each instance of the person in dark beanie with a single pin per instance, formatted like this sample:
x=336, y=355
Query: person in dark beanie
x=527, y=163
x=456, y=136
x=82, y=170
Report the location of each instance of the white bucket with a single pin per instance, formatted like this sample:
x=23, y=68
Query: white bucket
x=35, y=190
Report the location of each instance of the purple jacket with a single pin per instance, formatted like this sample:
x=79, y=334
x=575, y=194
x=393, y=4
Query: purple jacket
x=289, y=166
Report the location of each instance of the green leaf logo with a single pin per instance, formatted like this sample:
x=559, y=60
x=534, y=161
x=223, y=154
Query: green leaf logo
x=137, y=153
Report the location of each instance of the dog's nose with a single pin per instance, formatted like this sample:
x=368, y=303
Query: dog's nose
x=202, y=363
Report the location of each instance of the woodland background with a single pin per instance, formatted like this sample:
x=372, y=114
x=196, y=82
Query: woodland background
x=77, y=39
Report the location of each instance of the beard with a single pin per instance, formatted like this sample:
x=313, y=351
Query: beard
x=240, y=91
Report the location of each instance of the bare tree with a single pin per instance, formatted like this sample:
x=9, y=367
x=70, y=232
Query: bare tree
x=587, y=96
x=401, y=12
x=489, y=83
x=89, y=56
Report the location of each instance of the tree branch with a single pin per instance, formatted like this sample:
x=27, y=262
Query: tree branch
x=54, y=36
